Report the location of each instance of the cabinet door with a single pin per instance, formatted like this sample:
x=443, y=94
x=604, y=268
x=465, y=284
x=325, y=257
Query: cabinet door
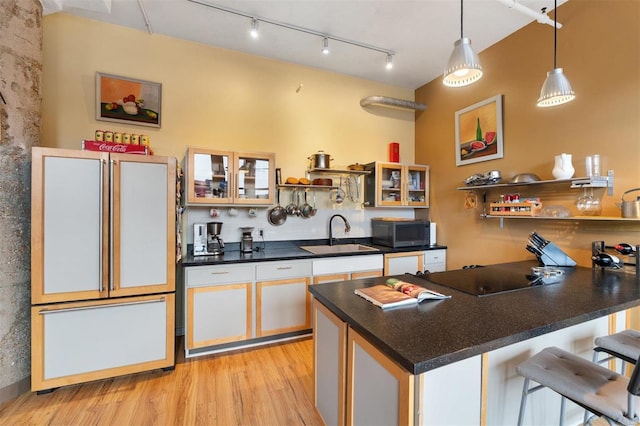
x=218, y=314
x=402, y=263
x=254, y=178
x=282, y=306
x=143, y=224
x=330, y=278
x=378, y=390
x=416, y=193
x=366, y=274
x=209, y=176
x=435, y=260
x=69, y=225
x=79, y=342
x=389, y=181
x=330, y=357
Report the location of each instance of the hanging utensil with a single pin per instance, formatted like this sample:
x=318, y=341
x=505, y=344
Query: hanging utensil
x=314, y=210
x=291, y=207
x=306, y=208
x=339, y=198
x=353, y=191
x=298, y=211
x=277, y=215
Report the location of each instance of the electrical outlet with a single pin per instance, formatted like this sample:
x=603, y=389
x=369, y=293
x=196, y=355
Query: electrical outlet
x=261, y=232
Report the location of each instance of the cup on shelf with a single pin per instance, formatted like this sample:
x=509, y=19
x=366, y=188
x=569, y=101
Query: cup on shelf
x=596, y=165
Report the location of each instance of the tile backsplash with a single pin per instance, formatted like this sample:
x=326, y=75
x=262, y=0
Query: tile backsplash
x=295, y=228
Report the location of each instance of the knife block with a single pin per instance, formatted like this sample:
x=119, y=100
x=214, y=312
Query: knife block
x=553, y=256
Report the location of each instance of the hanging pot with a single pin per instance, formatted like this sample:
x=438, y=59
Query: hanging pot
x=320, y=160
x=630, y=209
x=277, y=215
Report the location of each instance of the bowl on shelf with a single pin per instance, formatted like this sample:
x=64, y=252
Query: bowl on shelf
x=525, y=178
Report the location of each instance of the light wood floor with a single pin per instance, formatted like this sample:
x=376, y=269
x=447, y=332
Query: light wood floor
x=262, y=386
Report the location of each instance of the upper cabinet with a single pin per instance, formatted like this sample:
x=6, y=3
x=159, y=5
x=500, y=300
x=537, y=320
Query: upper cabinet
x=396, y=185
x=226, y=177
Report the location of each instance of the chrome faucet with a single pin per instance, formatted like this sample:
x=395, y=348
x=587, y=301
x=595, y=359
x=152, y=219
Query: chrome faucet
x=347, y=226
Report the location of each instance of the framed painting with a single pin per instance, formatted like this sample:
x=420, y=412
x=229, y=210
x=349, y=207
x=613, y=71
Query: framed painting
x=479, y=132
x=128, y=100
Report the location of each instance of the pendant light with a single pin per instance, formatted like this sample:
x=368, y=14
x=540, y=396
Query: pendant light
x=464, y=65
x=556, y=89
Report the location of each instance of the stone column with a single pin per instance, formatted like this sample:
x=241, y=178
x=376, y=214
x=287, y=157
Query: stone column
x=20, y=108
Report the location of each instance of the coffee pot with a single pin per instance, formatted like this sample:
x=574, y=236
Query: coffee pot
x=246, y=244
x=206, y=239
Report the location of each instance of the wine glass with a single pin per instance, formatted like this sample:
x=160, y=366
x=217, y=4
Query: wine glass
x=593, y=207
x=583, y=202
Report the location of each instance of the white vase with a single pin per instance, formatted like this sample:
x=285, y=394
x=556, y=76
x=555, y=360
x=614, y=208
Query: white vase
x=563, y=169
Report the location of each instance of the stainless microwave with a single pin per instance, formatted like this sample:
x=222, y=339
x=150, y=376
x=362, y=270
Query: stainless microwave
x=395, y=232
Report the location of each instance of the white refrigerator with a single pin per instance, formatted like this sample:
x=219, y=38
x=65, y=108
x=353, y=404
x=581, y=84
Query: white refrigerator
x=102, y=265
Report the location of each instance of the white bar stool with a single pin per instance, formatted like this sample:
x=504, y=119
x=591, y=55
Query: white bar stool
x=599, y=390
x=624, y=345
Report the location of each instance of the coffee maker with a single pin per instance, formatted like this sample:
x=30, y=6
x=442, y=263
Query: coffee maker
x=206, y=239
x=246, y=244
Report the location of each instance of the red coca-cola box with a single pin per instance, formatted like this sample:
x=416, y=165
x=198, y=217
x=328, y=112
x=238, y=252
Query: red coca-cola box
x=119, y=148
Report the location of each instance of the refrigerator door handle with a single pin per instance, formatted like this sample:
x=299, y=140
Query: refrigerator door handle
x=107, y=305
x=100, y=238
x=111, y=284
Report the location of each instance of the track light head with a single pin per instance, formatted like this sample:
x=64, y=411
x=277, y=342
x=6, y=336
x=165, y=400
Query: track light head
x=389, y=62
x=325, y=46
x=254, y=28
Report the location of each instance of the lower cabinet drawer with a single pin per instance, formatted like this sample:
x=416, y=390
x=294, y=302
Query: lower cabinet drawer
x=83, y=341
x=283, y=270
x=223, y=274
x=348, y=264
x=435, y=256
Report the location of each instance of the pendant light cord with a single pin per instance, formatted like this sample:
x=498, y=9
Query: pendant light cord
x=461, y=20
x=555, y=31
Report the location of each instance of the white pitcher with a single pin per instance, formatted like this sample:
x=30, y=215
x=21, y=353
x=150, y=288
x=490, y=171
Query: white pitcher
x=563, y=169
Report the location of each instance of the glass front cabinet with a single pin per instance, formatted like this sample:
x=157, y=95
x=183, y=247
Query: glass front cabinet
x=397, y=185
x=227, y=177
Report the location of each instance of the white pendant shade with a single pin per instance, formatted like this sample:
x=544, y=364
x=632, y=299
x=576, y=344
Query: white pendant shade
x=464, y=65
x=556, y=89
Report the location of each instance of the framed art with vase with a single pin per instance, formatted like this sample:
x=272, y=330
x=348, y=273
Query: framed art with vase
x=479, y=132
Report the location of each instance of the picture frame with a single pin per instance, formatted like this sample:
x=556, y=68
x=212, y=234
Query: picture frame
x=479, y=132
x=128, y=100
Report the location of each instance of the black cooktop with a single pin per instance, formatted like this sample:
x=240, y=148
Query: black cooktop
x=485, y=281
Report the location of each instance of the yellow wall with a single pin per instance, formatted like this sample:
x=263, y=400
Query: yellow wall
x=599, y=49
x=214, y=98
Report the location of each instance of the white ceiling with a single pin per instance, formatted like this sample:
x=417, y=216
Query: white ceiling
x=420, y=33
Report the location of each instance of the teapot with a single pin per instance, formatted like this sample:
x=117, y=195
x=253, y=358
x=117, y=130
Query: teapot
x=563, y=169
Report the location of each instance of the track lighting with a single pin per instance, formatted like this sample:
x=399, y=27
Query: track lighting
x=255, y=20
x=254, y=28
x=556, y=89
x=389, y=62
x=464, y=65
x=325, y=46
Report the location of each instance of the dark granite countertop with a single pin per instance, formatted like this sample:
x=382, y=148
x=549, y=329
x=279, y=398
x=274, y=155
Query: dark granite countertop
x=288, y=250
x=437, y=333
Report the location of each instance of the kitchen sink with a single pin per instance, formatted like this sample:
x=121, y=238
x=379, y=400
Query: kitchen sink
x=338, y=248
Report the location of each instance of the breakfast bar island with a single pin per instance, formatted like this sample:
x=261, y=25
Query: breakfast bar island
x=453, y=361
